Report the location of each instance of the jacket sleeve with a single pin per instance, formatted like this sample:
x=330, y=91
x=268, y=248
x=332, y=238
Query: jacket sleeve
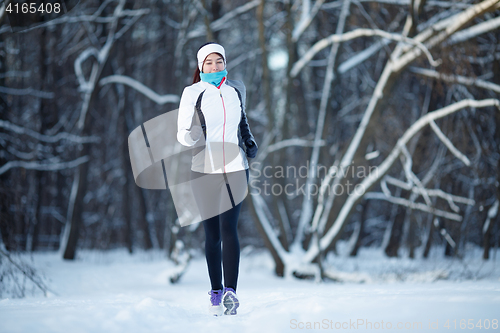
x=185, y=118
x=246, y=133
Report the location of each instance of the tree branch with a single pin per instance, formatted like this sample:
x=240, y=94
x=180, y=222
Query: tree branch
x=384, y=167
x=456, y=79
x=27, y=91
x=47, y=138
x=122, y=79
x=413, y=205
x=325, y=42
x=474, y=31
x=448, y=144
x=306, y=20
x=29, y=274
x=43, y=166
x=219, y=24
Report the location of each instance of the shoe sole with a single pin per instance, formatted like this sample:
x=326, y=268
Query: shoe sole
x=231, y=303
x=216, y=310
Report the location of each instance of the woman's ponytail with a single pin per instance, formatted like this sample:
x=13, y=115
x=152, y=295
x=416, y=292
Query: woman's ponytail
x=196, y=76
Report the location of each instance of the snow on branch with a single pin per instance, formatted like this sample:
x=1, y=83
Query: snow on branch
x=325, y=184
x=306, y=19
x=260, y=209
x=290, y=143
x=411, y=175
x=93, y=18
x=444, y=233
x=413, y=205
x=27, y=91
x=307, y=203
x=441, y=4
x=450, y=198
x=2, y=9
x=47, y=138
x=444, y=139
x=325, y=42
x=43, y=166
x=358, y=58
x=474, y=31
x=445, y=29
x=384, y=167
x=456, y=78
x=396, y=182
x=492, y=213
x=159, y=99
x=85, y=86
x=219, y=23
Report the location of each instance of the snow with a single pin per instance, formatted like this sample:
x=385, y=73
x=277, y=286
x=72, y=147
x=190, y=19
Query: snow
x=117, y=292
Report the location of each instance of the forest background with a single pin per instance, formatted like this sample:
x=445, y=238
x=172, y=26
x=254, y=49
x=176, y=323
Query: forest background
x=378, y=123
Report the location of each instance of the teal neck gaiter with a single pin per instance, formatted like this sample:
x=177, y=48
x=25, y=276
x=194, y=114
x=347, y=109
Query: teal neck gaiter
x=213, y=78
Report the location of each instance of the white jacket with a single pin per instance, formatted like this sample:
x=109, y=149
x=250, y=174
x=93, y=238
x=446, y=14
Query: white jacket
x=222, y=113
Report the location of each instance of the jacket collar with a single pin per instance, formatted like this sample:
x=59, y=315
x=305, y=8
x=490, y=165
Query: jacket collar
x=206, y=84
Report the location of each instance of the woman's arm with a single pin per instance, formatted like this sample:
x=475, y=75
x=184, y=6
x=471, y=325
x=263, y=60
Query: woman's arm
x=246, y=133
x=185, y=135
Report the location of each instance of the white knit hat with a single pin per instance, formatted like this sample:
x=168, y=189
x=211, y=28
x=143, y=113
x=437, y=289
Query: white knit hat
x=208, y=49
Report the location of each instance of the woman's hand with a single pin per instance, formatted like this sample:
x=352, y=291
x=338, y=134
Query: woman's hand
x=195, y=133
x=251, y=148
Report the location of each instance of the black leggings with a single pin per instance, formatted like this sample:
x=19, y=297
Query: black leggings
x=225, y=225
x=221, y=229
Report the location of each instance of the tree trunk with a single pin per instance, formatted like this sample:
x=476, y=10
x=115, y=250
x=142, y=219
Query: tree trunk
x=79, y=189
x=392, y=247
x=492, y=216
x=74, y=220
x=359, y=235
x=487, y=235
x=280, y=266
x=143, y=221
x=37, y=221
x=412, y=239
x=428, y=241
x=126, y=194
x=266, y=85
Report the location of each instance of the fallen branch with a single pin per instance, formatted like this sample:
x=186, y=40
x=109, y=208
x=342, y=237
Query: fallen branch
x=27, y=272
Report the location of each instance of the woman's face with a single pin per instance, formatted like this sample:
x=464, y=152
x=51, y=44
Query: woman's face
x=213, y=63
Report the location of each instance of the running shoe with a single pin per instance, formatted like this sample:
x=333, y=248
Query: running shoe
x=230, y=301
x=216, y=307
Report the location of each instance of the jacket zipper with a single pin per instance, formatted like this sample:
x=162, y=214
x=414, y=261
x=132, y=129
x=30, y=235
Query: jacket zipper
x=229, y=192
x=223, y=126
x=223, y=132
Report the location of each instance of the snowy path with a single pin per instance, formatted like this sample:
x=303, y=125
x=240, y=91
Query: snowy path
x=133, y=295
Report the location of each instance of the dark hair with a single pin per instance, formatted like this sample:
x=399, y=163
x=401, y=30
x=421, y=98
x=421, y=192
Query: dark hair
x=196, y=75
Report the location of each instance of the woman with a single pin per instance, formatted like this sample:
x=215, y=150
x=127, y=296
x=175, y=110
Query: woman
x=212, y=118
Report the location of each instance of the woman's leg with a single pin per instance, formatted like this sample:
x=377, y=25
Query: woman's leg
x=213, y=251
x=231, y=246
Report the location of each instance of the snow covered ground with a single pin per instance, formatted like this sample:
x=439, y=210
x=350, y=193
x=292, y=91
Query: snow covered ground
x=115, y=292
